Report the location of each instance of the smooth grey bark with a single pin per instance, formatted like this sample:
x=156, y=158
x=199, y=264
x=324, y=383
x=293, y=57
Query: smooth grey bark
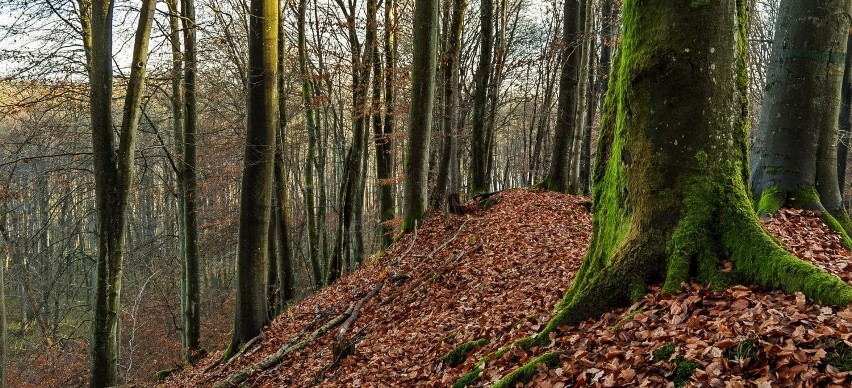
x=558, y=175
x=250, y=314
x=794, y=152
x=423, y=66
x=844, y=122
x=585, y=76
x=113, y=176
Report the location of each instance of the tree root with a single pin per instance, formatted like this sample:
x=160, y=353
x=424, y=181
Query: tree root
x=526, y=372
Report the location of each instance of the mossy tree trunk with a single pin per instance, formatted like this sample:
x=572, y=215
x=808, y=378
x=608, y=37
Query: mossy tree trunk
x=422, y=100
x=566, y=105
x=250, y=314
x=670, y=184
x=794, y=159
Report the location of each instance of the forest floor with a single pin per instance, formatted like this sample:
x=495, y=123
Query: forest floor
x=497, y=274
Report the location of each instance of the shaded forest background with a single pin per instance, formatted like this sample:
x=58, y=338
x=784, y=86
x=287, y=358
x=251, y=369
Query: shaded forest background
x=48, y=222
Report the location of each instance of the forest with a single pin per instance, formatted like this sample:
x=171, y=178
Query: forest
x=421, y=192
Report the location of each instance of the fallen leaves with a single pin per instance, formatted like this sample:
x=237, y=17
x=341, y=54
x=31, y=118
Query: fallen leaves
x=500, y=276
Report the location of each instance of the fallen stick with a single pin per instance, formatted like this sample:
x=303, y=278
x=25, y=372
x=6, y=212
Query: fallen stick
x=347, y=317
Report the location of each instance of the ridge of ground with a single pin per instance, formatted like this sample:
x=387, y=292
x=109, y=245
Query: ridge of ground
x=494, y=275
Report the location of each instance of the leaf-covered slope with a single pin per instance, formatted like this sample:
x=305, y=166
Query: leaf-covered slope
x=496, y=274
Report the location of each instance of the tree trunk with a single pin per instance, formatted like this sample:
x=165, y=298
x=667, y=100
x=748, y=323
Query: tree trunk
x=425, y=46
x=383, y=135
x=284, y=259
x=585, y=76
x=250, y=314
x=794, y=154
x=113, y=177
x=479, y=143
x=192, y=296
x=671, y=200
x=449, y=152
x=845, y=120
x=311, y=128
x=558, y=176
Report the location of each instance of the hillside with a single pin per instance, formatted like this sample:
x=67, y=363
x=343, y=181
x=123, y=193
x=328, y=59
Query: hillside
x=496, y=275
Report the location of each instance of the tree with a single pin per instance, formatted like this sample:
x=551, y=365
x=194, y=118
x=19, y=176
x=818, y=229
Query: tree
x=384, y=133
x=844, y=122
x=184, y=94
x=670, y=194
x=446, y=186
x=312, y=131
x=250, y=314
x=479, y=149
x=558, y=178
x=113, y=173
x=794, y=158
x=425, y=46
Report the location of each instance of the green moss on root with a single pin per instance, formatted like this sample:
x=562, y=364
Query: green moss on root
x=468, y=378
x=528, y=370
x=459, y=354
x=771, y=200
x=759, y=259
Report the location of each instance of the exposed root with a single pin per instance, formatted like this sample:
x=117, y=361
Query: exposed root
x=526, y=372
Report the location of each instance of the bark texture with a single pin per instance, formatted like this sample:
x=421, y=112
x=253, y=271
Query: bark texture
x=192, y=292
x=113, y=176
x=670, y=194
x=479, y=142
x=250, y=314
x=794, y=159
x=566, y=108
x=422, y=100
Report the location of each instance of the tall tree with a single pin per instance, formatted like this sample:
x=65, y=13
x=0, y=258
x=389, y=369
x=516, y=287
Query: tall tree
x=566, y=108
x=312, y=132
x=250, y=314
x=670, y=195
x=113, y=174
x=425, y=46
x=585, y=103
x=383, y=133
x=348, y=245
x=844, y=122
x=286, y=277
x=479, y=151
x=794, y=158
x=191, y=300
x=445, y=192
